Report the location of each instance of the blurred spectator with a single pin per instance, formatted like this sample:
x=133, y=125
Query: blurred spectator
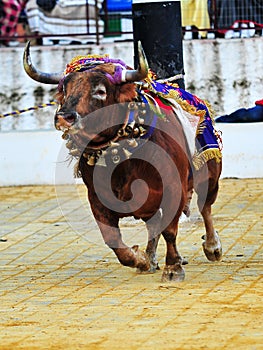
x=66, y=17
x=233, y=14
x=195, y=14
x=46, y=5
x=244, y=115
x=10, y=12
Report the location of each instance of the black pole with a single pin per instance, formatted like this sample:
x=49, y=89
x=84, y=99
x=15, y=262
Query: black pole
x=158, y=25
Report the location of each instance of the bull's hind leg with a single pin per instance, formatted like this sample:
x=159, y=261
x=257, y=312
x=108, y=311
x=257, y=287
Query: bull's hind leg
x=207, y=193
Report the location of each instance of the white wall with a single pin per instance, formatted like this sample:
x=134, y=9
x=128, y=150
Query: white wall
x=29, y=157
x=39, y=157
x=242, y=149
x=228, y=73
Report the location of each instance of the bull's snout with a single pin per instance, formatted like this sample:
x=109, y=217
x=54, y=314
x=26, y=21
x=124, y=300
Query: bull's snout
x=64, y=120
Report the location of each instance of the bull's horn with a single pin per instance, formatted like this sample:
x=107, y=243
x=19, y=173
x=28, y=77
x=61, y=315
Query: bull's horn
x=35, y=74
x=142, y=71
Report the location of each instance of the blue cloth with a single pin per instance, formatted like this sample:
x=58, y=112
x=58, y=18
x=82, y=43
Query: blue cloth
x=243, y=115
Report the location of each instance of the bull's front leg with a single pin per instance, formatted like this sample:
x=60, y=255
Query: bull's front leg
x=132, y=257
x=153, y=228
x=108, y=222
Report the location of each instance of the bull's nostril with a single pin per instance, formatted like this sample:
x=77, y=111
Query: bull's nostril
x=69, y=117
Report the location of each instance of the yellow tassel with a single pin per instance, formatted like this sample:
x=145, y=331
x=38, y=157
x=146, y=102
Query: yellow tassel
x=200, y=159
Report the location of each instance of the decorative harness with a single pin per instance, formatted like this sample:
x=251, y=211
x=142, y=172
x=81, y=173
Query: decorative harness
x=153, y=97
x=136, y=130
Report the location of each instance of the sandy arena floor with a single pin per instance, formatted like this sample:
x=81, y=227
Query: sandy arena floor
x=62, y=288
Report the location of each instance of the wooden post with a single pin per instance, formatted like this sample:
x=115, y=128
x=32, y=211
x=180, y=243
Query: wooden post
x=157, y=24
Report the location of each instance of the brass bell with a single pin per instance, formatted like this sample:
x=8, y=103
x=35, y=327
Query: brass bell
x=116, y=159
x=131, y=125
x=101, y=162
x=140, y=120
x=114, y=144
x=92, y=160
x=132, y=143
x=126, y=133
x=132, y=105
x=142, y=131
x=127, y=153
x=120, y=132
x=74, y=152
x=86, y=155
x=65, y=136
x=69, y=144
x=136, y=131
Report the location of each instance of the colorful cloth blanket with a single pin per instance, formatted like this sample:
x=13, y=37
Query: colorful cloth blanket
x=197, y=120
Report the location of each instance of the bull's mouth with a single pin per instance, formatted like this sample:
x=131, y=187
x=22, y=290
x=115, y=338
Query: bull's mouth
x=82, y=134
x=71, y=125
x=92, y=132
x=68, y=129
x=66, y=123
x=80, y=139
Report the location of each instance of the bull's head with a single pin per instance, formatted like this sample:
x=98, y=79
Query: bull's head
x=83, y=93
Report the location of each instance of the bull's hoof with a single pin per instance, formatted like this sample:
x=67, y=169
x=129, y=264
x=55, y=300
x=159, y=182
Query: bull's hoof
x=173, y=273
x=142, y=260
x=152, y=269
x=154, y=266
x=213, y=252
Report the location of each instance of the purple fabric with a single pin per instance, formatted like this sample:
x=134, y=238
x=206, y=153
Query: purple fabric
x=117, y=77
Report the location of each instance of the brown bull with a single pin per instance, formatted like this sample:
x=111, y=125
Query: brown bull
x=134, y=160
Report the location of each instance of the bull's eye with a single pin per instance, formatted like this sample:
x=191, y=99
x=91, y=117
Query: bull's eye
x=100, y=92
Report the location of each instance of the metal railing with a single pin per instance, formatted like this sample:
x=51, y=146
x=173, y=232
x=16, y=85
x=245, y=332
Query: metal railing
x=219, y=18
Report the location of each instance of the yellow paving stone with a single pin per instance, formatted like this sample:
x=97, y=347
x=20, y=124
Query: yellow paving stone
x=62, y=288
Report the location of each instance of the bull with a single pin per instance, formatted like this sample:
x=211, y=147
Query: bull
x=133, y=156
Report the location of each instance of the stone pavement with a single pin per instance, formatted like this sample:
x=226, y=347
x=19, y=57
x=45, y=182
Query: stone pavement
x=62, y=288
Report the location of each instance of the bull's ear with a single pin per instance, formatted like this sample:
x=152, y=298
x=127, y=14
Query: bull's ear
x=34, y=73
x=142, y=70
